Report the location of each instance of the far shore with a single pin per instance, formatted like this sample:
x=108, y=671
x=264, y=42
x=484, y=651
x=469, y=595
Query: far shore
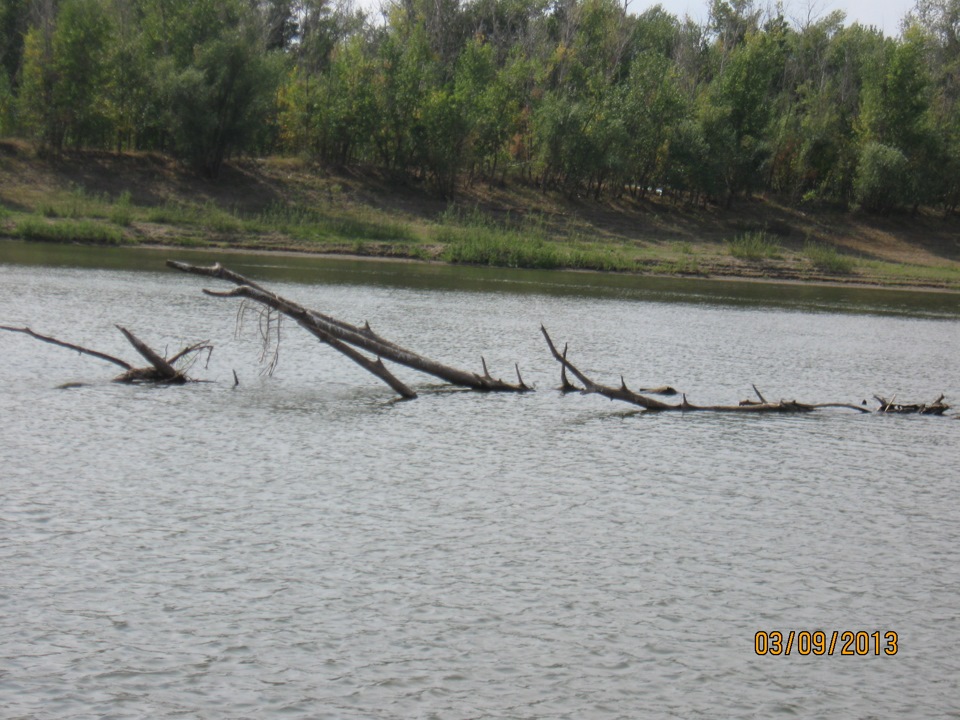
x=290, y=207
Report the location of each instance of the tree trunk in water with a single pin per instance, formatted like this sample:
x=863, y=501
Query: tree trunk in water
x=624, y=394
x=328, y=329
x=161, y=370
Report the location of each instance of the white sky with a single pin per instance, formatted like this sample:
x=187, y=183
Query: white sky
x=883, y=14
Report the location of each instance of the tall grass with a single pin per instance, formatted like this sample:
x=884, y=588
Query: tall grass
x=170, y=214
x=310, y=224
x=84, y=231
x=827, y=259
x=755, y=245
x=480, y=246
x=122, y=211
x=472, y=237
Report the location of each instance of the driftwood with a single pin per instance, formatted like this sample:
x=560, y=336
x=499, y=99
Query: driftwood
x=937, y=407
x=347, y=338
x=161, y=369
x=624, y=394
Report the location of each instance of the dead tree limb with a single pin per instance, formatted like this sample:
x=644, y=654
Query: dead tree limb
x=328, y=329
x=161, y=370
x=303, y=318
x=624, y=394
x=164, y=370
x=937, y=407
x=70, y=346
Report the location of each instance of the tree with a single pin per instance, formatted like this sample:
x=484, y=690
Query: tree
x=61, y=95
x=216, y=79
x=895, y=106
x=736, y=111
x=13, y=28
x=882, y=180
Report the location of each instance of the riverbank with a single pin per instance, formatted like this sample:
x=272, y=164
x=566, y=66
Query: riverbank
x=285, y=204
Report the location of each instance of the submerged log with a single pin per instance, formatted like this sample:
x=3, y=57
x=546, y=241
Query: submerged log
x=937, y=407
x=624, y=394
x=160, y=370
x=347, y=338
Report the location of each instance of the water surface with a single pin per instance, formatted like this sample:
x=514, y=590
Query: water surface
x=304, y=546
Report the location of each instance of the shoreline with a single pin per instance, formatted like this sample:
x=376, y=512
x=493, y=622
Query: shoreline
x=366, y=257
x=287, y=206
x=339, y=255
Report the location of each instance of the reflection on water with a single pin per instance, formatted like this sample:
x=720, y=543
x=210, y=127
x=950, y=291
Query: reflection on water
x=303, y=546
x=428, y=276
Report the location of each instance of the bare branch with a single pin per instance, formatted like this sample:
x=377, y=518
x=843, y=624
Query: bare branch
x=624, y=394
x=163, y=368
x=360, y=337
x=69, y=346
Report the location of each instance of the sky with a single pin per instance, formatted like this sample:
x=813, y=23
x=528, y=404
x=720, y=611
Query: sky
x=883, y=14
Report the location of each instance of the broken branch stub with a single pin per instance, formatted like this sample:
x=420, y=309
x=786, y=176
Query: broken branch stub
x=342, y=335
x=624, y=394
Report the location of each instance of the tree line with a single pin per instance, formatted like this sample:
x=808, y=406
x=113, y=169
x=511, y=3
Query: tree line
x=580, y=96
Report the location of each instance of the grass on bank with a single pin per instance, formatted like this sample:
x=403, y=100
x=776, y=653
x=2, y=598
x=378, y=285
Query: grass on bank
x=474, y=238
x=82, y=231
x=756, y=245
x=458, y=235
x=827, y=259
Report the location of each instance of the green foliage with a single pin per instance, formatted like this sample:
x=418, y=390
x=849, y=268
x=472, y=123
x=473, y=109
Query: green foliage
x=827, y=259
x=580, y=96
x=63, y=75
x=7, y=99
x=218, y=102
x=754, y=246
x=81, y=231
x=882, y=180
x=122, y=213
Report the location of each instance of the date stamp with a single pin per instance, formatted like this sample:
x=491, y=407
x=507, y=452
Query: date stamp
x=819, y=642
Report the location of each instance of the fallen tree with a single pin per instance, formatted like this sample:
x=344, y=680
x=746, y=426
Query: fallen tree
x=347, y=338
x=937, y=407
x=761, y=405
x=161, y=369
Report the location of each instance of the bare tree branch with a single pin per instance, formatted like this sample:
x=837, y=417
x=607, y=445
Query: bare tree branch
x=325, y=326
x=69, y=346
x=624, y=394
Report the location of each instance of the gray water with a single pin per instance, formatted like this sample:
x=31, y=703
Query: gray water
x=304, y=546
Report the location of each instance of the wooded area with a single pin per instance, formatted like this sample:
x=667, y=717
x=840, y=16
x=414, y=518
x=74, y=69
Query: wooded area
x=579, y=96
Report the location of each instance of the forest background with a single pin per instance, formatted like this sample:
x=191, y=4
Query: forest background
x=576, y=97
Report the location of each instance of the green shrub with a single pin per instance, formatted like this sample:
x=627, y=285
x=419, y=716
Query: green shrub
x=754, y=246
x=882, y=179
x=84, y=231
x=214, y=218
x=485, y=246
x=827, y=259
x=171, y=214
x=122, y=213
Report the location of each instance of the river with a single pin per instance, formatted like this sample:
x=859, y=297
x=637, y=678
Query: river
x=302, y=545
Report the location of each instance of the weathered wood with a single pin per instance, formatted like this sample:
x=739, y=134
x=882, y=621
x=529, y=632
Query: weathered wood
x=328, y=328
x=165, y=370
x=624, y=394
x=69, y=346
x=937, y=407
x=161, y=370
x=303, y=318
